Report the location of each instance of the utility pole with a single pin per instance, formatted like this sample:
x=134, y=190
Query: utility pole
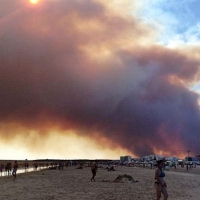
x=188, y=154
x=188, y=159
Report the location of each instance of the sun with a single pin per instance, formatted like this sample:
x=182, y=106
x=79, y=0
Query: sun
x=33, y=1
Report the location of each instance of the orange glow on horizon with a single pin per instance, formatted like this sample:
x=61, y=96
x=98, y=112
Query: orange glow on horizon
x=53, y=142
x=34, y=1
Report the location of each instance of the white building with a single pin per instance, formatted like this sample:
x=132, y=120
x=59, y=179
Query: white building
x=125, y=159
x=172, y=158
x=153, y=157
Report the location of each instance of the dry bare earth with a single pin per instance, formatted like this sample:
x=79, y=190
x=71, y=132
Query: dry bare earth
x=75, y=184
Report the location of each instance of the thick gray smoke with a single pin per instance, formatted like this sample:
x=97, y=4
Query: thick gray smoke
x=86, y=67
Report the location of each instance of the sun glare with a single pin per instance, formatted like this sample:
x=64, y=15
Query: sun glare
x=33, y=1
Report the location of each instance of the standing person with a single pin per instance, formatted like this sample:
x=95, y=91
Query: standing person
x=26, y=165
x=15, y=166
x=160, y=185
x=1, y=168
x=93, y=170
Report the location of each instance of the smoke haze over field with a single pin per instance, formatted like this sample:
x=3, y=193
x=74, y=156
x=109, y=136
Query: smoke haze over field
x=91, y=79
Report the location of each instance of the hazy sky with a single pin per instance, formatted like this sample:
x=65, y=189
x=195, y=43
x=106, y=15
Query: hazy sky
x=98, y=78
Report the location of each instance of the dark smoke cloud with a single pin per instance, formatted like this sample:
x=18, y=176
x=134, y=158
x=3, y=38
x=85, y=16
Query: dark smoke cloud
x=83, y=66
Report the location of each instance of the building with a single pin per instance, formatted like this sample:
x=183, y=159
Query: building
x=125, y=159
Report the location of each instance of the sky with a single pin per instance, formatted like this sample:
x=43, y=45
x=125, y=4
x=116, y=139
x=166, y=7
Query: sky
x=98, y=79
